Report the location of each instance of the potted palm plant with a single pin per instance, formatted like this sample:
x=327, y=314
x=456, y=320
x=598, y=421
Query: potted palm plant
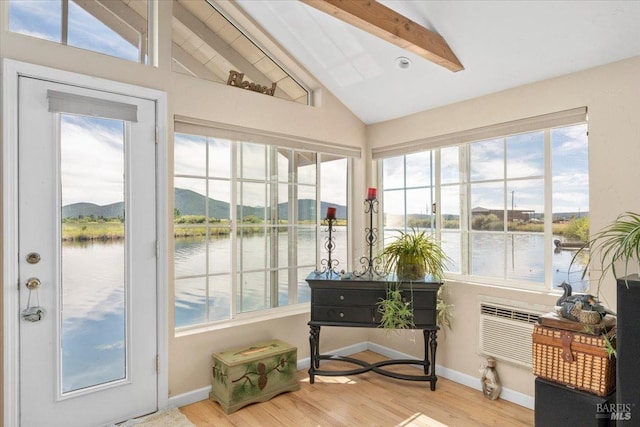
x=617, y=242
x=411, y=256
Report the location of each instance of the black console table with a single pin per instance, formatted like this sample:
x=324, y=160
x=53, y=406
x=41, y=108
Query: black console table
x=352, y=303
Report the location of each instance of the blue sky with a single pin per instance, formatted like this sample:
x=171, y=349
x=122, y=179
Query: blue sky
x=524, y=169
x=42, y=19
x=92, y=160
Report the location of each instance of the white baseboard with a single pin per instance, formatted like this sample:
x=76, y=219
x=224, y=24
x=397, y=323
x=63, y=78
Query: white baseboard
x=189, y=397
x=450, y=374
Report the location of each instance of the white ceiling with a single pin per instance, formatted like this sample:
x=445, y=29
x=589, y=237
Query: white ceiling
x=501, y=44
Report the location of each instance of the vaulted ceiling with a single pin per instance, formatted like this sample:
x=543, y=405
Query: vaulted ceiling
x=501, y=44
x=495, y=45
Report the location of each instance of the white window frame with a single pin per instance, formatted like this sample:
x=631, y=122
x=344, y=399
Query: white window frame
x=464, y=140
x=238, y=135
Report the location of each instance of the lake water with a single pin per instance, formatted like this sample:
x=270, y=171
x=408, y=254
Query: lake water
x=93, y=323
x=193, y=255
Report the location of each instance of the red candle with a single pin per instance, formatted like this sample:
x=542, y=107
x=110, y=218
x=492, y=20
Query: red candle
x=371, y=193
x=331, y=212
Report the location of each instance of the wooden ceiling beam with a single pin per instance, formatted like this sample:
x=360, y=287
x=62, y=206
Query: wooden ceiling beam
x=383, y=22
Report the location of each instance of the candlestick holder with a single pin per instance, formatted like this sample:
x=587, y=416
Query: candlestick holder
x=328, y=266
x=370, y=266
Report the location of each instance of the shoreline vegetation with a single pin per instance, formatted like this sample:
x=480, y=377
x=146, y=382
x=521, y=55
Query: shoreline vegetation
x=88, y=229
x=189, y=226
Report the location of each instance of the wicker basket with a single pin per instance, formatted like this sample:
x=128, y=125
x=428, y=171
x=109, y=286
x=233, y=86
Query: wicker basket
x=574, y=359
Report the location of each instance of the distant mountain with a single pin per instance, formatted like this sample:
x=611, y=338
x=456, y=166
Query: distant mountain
x=191, y=203
x=114, y=210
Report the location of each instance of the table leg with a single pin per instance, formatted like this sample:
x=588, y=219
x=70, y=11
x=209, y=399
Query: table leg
x=425, y=332
x=433, y=343
x=314, y=344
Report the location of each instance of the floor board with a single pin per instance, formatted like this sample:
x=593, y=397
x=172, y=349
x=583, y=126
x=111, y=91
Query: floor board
x=368, y=400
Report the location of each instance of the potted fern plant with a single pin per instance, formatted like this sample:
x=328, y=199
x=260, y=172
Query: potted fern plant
x=411, y=256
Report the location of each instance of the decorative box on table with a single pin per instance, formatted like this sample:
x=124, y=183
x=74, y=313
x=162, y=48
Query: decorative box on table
x=577, y=359
x=254, y=373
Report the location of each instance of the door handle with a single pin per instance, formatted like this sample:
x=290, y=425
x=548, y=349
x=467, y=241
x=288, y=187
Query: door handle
x=33, y=313
x=33, y=283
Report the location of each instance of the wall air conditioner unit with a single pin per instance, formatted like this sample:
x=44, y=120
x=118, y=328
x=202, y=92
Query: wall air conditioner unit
x=505, y=329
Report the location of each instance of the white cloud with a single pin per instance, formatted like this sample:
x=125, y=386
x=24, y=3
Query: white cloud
x=92, y=161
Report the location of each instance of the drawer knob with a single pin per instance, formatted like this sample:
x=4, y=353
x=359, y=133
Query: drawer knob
x=341, y=314
x=341, y=297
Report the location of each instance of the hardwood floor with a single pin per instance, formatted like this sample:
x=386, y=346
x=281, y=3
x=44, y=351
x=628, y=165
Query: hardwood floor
x=367, y=400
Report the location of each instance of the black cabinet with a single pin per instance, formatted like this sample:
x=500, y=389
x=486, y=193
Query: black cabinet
x=353, y=303
x=628, y=345
x=560, y=406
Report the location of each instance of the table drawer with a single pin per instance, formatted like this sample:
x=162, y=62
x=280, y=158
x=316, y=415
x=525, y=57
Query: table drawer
x=347, y=297
x=358, y=314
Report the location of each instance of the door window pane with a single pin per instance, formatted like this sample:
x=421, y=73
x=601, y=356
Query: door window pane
x=93, y=309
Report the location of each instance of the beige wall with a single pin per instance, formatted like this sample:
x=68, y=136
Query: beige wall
x=327, y=121
x=612, y=95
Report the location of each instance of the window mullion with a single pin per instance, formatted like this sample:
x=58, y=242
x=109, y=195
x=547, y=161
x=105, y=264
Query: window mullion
x=207, y=232
x=233, y=215
x=404, y=187
x=64, y=28
x=436, y=194
x=271, y=227
x=465, y=208
x=505, y=210
x=548, y=210
x=292, y=186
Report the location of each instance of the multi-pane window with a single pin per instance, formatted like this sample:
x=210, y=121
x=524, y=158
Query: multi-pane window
x=246, y=224
x=117, y=28
x=502, y=204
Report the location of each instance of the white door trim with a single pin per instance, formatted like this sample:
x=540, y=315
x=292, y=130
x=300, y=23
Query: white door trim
x=11, y=71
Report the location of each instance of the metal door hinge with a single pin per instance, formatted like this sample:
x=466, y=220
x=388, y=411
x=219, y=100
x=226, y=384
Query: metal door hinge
x=157, y=249
x=157, y=134
x=157, y=363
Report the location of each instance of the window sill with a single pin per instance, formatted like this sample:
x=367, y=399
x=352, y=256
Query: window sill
x=245, y=319
x=524, y=288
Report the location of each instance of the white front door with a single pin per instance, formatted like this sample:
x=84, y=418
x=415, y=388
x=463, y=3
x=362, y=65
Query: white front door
x=87, y=255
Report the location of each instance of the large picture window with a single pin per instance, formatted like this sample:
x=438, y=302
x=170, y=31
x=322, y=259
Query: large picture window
x=502, y=207
x=247, y=224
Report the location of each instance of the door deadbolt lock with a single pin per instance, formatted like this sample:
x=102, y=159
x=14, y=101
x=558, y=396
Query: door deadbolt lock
x=33, y=283
x=33, y=258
